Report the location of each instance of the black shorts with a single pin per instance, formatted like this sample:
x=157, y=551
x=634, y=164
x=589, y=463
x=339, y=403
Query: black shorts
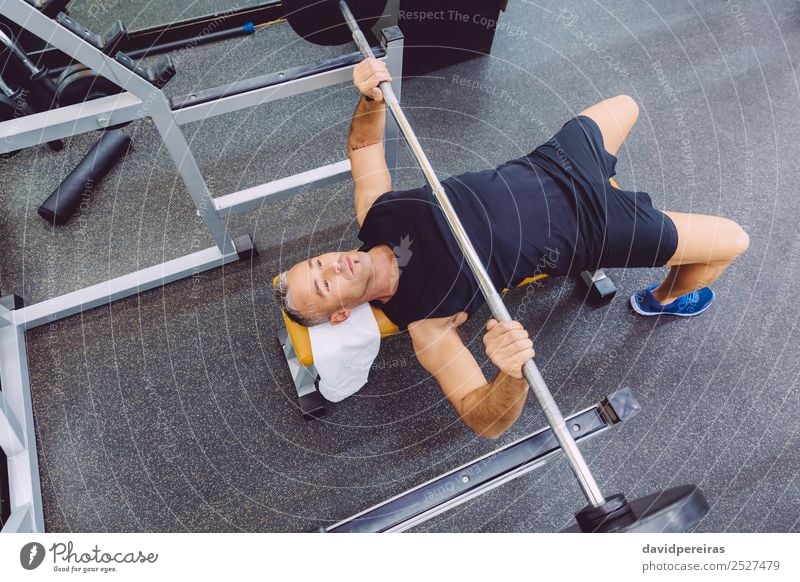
x=620, y=228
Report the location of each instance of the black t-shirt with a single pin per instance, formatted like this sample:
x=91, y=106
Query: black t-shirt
x=518, y=219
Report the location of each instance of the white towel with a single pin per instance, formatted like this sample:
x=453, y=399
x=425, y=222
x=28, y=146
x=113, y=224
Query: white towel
x=343, y=354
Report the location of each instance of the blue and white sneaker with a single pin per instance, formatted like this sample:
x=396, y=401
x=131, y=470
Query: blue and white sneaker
x=694, y=303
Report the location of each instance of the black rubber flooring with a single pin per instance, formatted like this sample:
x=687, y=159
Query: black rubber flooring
x=174, y=410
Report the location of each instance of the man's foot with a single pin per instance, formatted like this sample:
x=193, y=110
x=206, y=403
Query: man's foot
x=694, y=303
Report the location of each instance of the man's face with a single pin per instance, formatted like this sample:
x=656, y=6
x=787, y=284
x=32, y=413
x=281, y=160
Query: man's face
x=331, y=284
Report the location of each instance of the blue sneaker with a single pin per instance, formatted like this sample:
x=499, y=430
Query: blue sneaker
x=694, y=303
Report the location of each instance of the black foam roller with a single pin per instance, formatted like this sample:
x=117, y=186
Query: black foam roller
x=61, y=204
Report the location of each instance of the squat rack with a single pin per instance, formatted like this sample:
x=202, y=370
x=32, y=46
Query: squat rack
x=142, y=99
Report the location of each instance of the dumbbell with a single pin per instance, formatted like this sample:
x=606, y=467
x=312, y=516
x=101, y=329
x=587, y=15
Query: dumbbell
x=601, y=289
x=22, y=71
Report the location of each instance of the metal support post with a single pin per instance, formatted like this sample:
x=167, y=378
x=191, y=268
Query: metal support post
x=16, y=424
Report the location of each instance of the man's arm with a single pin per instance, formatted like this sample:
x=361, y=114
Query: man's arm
x=488, y=408
x=365, y=142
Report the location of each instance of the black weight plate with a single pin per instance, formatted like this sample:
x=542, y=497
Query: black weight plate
x=321, y=21
x=79, y=83
x=672, y=511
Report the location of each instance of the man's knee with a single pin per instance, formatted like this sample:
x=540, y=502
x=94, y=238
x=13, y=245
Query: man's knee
x=736, y=239
x=629, y=105
x=740, y=239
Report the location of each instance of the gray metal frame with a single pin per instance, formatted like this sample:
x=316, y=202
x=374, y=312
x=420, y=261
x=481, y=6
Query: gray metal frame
x=305, y=379
x=17, y=437
x=141, y=99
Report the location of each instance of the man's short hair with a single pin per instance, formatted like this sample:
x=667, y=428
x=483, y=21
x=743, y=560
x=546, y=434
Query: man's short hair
x=281, y=292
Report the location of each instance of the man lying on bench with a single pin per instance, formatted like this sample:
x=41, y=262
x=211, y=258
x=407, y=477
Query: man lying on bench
x=551, y=212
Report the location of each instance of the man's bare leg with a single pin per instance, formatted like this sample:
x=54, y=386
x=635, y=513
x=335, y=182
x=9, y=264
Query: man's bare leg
x=615, y=117
x=707, y=245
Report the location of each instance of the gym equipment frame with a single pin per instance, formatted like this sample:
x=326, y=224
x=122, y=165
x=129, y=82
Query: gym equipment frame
x=141, y=99
x=17, y=437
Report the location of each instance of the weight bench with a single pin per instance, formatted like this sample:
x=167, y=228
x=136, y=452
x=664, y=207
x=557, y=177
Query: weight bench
x=296, y=343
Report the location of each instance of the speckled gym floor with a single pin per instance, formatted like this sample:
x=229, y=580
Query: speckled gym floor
x=174, y=410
